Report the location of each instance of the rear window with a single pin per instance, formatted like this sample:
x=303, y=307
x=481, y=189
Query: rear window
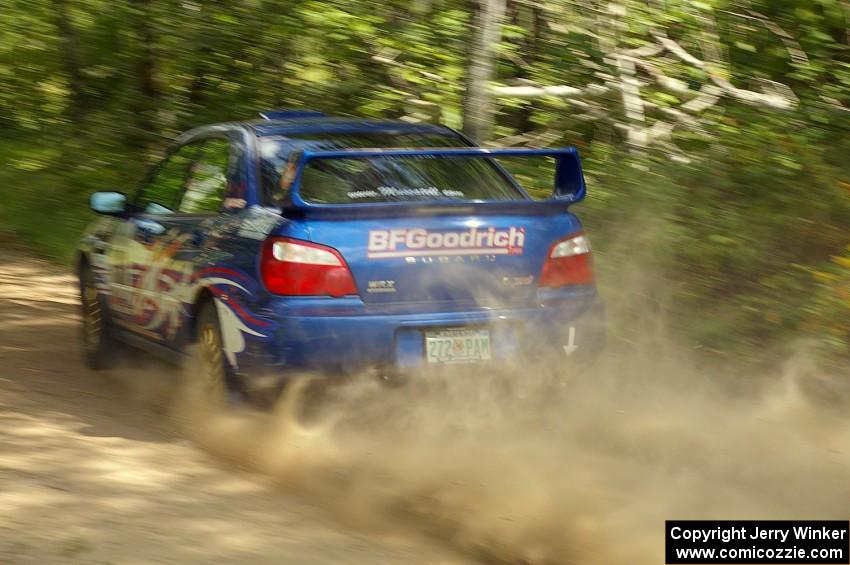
x=382, y=179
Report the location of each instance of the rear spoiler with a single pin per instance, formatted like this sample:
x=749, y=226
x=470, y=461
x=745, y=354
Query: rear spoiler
x=569, y=186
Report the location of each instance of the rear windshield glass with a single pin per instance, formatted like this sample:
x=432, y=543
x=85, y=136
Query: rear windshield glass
x=382, y=179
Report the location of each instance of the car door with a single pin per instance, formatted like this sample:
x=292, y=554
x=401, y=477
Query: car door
x=143, y=248
x=203, y=229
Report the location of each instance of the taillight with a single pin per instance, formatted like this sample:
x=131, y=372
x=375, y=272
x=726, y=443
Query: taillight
x=569, y=262
x=297, y=268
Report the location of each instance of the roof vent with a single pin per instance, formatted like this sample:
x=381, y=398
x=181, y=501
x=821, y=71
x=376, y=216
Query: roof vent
x=290, y=114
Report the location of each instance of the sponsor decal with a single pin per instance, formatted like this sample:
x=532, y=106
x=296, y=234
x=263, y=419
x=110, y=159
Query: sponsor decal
x=420, y=242
x=258, y=223
x=381, y=286
x=153, y=295
x=453, y=259
x=395, y=192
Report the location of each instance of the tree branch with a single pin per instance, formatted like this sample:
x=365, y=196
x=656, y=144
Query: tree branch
x=560, y=91
x=666, y=82
x=707, y=97
x=791, y=45
x=773, y=100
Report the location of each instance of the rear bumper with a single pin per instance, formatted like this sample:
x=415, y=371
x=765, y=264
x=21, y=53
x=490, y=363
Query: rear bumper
x=346, y=340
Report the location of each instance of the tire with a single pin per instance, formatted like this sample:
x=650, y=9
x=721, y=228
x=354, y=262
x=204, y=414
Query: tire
x=208, y=375
x=97, y=341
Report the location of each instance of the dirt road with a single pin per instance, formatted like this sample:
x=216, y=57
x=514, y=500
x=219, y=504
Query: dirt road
x=92, y=472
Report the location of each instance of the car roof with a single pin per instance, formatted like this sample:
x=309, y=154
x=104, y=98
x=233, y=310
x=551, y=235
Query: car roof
x=339, y=126
x=319, y=126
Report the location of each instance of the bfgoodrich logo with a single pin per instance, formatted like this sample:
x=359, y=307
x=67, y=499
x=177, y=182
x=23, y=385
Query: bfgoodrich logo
x=420, y=242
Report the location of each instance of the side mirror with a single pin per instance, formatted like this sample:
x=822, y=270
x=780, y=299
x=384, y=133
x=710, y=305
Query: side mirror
x=109, y=203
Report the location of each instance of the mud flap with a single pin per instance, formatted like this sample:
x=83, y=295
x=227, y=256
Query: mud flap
x=232, y=330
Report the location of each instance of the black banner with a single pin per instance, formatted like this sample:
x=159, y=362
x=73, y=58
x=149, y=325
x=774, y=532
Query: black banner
x=817, y=542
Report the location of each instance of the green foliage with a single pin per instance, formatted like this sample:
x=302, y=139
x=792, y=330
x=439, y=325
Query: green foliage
x=826, y=316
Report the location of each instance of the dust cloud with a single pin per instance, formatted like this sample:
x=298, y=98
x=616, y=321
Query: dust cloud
x=513, y=466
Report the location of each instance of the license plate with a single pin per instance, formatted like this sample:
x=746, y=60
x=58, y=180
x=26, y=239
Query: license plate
x=457, y=346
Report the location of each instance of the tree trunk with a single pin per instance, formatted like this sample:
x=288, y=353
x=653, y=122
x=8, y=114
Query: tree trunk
x=530, y=53
x=478, y=108
x=146, y=65
x=71, y=58
x=147, y=76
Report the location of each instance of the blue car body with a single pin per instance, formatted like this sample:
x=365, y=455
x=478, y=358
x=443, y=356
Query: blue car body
x=235, y=215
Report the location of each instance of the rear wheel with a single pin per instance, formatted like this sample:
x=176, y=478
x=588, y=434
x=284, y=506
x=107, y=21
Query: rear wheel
x=97, y=342
x=208, y=370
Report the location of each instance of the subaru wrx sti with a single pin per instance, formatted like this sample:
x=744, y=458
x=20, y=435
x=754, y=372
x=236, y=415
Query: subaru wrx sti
x=304, y=243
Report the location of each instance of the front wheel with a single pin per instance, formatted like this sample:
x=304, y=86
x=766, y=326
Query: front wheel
x=207, y=373
x=97, y=342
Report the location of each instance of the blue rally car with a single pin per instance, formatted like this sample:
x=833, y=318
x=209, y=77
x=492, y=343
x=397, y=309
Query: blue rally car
x=303, y=243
